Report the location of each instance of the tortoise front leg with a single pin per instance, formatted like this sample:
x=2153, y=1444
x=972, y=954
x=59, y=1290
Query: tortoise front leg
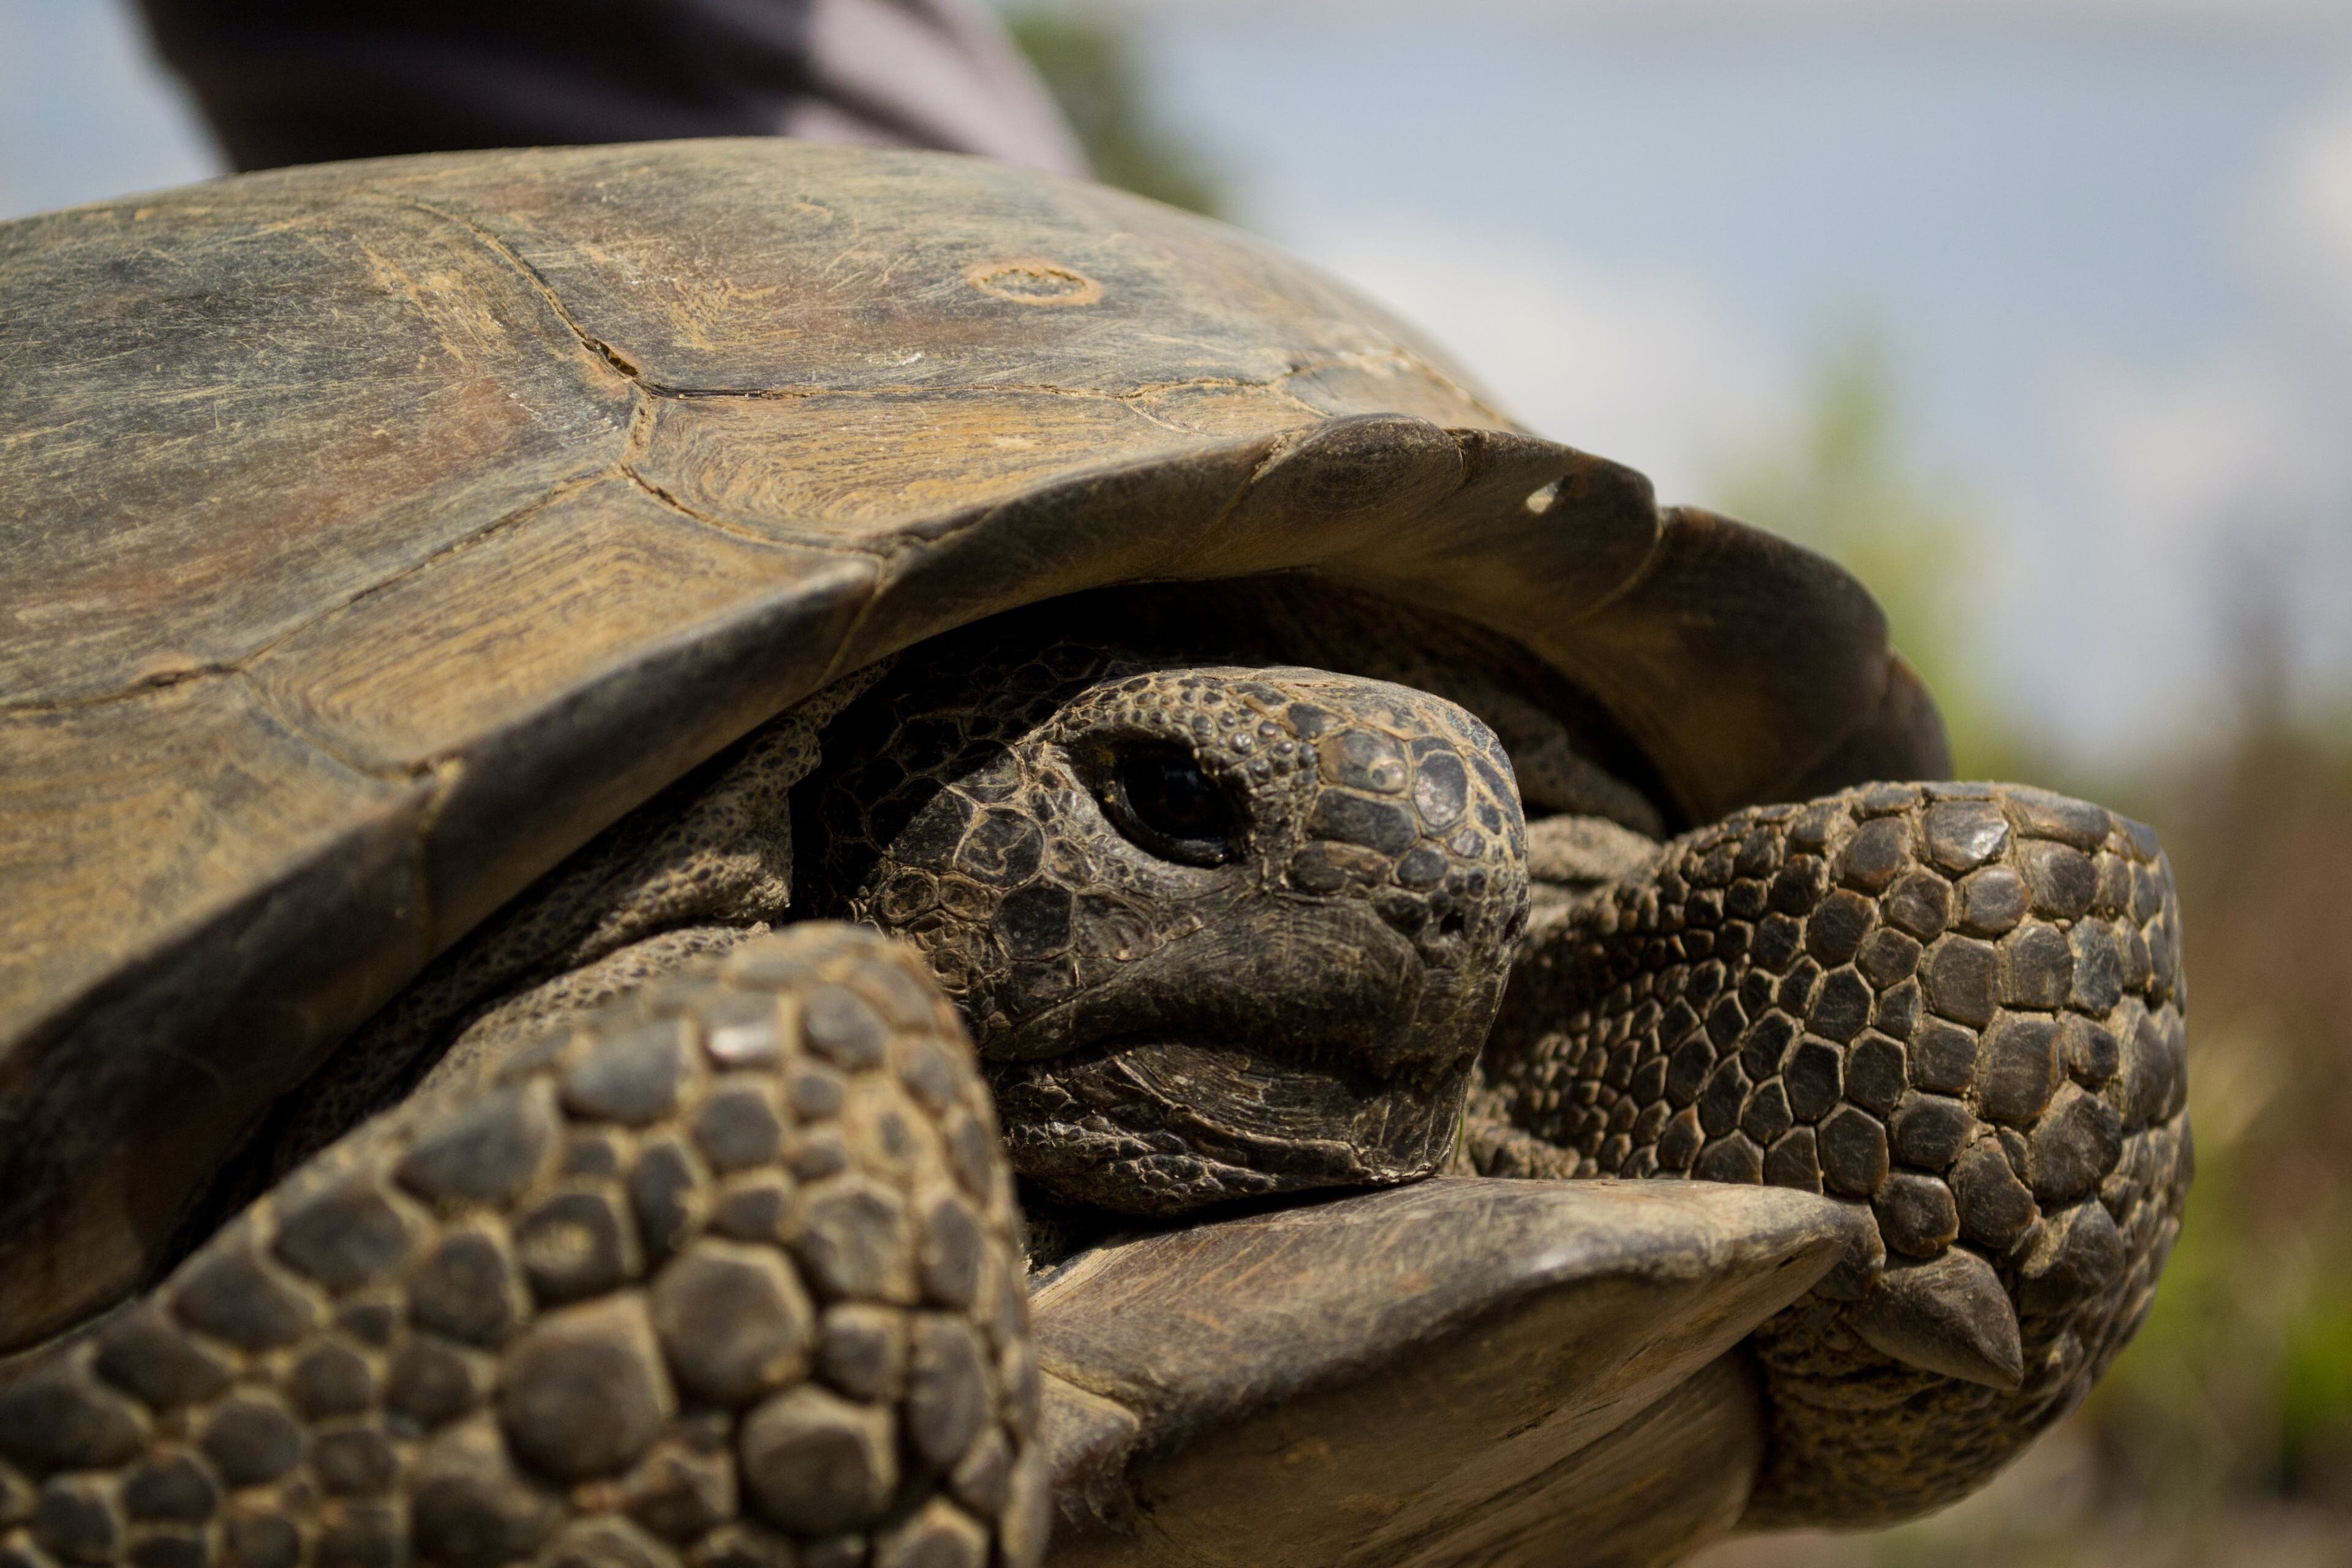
x=725, y=1273
x=1955, y=1007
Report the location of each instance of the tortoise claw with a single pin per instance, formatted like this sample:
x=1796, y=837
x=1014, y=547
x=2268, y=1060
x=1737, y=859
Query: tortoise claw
x=1947, y=1315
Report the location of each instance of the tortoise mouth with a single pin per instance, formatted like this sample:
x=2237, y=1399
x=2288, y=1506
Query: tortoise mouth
x=1159, y=1123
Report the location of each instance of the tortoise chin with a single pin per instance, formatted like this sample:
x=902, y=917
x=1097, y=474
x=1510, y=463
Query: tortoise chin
x=1159, y=1126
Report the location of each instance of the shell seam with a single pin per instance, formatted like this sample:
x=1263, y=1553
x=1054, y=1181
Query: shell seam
x=506, y=253
x=214, y=669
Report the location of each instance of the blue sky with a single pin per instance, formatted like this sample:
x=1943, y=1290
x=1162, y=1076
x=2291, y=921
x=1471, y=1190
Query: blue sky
x=2110, y=242
x=2111, y=246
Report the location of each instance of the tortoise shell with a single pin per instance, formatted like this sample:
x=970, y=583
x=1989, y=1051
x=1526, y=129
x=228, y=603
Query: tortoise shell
x=378, y=532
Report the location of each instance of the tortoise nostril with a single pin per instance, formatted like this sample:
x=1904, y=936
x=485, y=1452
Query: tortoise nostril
x=1453, y=925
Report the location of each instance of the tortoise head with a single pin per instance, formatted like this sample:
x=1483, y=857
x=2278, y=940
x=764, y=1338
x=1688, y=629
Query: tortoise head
x=1219, y=930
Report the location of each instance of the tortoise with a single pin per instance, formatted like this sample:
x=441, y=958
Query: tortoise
x=493, y=638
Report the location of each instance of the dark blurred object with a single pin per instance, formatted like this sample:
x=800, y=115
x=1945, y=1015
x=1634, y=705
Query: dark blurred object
x=293, y=81
x=1091, y=58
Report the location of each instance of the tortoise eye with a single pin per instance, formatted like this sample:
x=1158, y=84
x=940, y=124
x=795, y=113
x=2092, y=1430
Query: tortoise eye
x=1160, y=800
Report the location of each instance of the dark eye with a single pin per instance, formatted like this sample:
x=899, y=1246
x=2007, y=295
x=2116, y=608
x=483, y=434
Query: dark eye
x=1160, y=798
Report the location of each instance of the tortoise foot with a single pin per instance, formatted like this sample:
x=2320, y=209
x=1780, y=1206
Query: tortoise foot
x=1955, y=1008
x=723, y=1275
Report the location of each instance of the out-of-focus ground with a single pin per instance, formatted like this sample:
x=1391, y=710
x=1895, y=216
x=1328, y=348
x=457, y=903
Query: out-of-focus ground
x=2224, y=1435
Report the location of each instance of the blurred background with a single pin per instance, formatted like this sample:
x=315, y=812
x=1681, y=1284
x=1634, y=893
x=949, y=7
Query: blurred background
x=2038, y=314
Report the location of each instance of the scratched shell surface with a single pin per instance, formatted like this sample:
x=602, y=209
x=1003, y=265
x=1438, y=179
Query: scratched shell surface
x=377, y=532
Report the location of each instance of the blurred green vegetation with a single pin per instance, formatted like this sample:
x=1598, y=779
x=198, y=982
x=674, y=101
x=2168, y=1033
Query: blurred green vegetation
x=1845, y=485
x=1091, y=56
x=2223, y=1434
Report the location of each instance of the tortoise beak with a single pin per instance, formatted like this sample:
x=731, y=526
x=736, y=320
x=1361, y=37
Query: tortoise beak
x=1471, y=1369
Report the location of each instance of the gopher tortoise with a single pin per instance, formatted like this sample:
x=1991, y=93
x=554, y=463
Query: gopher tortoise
x=490, y=639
